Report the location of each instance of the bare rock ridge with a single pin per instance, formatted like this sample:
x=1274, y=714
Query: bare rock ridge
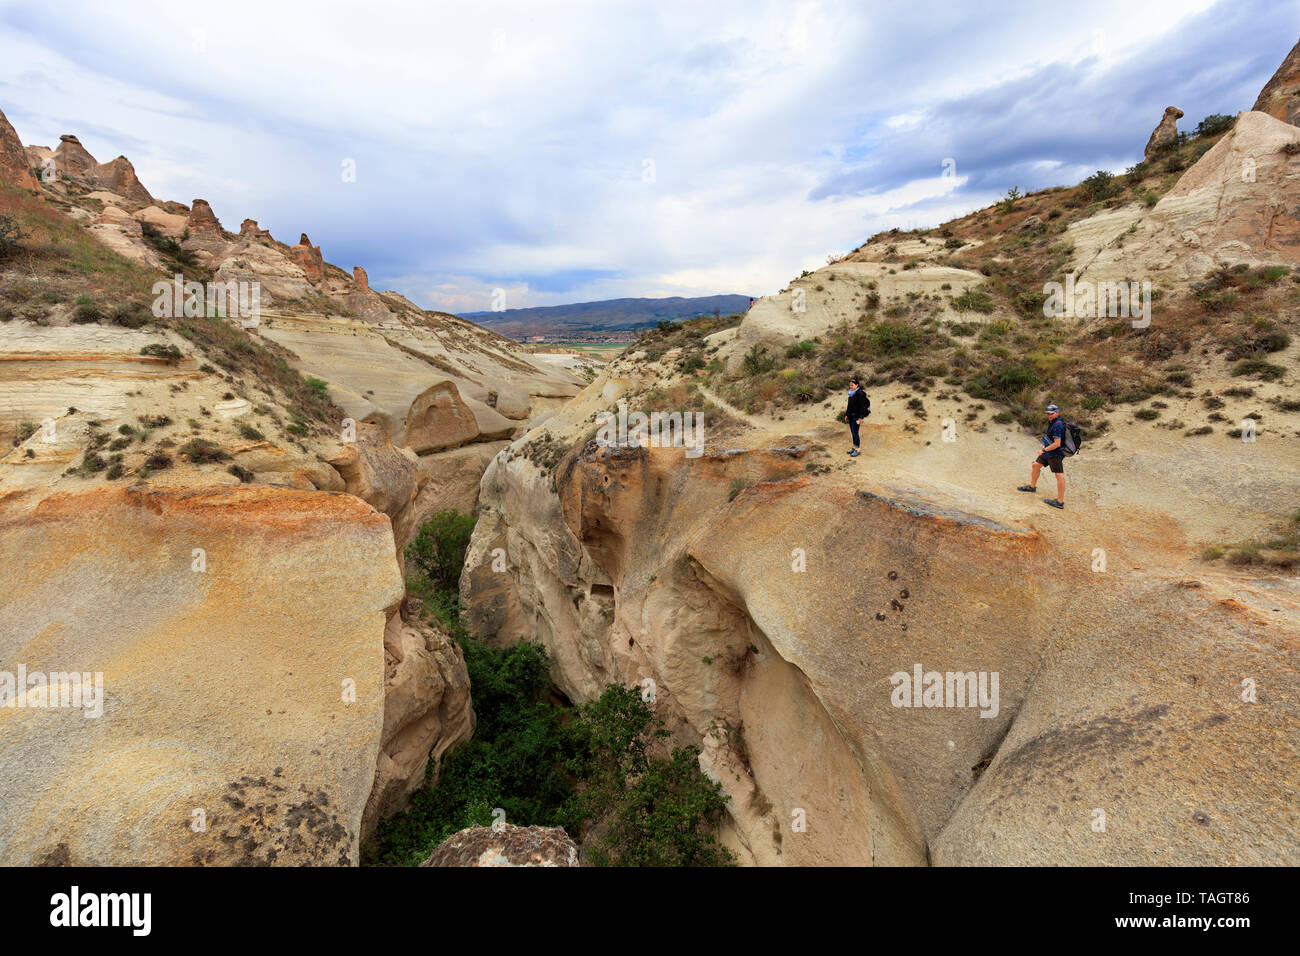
x=1280, y=97
x=1166, y=132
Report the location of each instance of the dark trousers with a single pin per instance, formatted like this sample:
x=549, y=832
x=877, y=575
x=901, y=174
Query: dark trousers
x=853, y=427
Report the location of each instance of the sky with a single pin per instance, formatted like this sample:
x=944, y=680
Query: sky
x=574, y=151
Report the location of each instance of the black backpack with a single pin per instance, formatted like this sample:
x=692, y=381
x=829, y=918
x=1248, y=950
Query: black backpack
x=1072, y=440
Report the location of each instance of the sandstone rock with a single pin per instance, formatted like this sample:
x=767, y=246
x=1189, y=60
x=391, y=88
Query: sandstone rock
x=1166, y=132
x=15, y=166
x=72, y=158
x=309, y=259
x=168, y=223
x=439, y=419
x=248, y=229
x=426, y=711
x=506, y=845
x=202, y=223
x=645, y=565
x=119, y=176
x=1280, y=97
x=225, y=690
x=360, y=278
x=1239, y=203
x=381, y=475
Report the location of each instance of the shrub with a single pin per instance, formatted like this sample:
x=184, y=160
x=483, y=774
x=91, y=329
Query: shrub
x=438, y=549
x=130, y=315
x=86, y=312
x=1100, y=185
x=975, y=300
x=158, y=350
x=757, y=361
x=202, y=450
x=243, y=474
x=1214, y=124
x=1258, y=368
x=894, y=338
x=318, y=385
x=11, y=234
x=249, y=432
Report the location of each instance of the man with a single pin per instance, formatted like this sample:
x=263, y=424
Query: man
x=859, y=408
x=1053, y=457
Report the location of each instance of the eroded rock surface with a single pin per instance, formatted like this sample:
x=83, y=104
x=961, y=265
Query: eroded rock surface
x=506, y=845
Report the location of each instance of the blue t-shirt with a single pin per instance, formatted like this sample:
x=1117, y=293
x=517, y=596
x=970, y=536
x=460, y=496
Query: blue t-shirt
x=1054, y=431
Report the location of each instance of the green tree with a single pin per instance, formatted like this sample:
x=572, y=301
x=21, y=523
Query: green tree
x=438, y=549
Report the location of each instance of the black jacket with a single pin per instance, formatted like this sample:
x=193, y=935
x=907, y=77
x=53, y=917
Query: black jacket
x=859, y=406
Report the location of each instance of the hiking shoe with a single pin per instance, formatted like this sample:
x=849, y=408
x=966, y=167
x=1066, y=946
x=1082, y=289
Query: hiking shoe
x=1026, y=488
x=1055, y=504
x=854, y=453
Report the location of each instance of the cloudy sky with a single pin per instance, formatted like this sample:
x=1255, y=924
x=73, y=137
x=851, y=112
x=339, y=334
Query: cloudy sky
x=570, y=151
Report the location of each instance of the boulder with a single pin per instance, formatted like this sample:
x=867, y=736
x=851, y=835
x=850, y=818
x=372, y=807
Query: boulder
x=1165, y=133
x=238, y=634
x=383, y=476
x=439, y=419
x=1280, y=97
x=506, y=845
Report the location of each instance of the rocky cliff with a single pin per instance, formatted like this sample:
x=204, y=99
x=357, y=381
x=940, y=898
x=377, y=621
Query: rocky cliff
x=218, y=541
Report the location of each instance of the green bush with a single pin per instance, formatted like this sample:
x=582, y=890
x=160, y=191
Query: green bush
x=757, y=361
x=438, y=550
x=1100, y=185
x=894, y=338
x=1214, y=124
x=976, y=300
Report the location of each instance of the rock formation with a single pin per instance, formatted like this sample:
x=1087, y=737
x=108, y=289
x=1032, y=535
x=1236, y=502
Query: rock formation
x=1280, y=97
x=248, y=229
x=360, y=278
x=202, y=223
x=308, y=258
x=1165, y=133
x=15, y=165
x=635, y=564
x=1239, y=204
x=506, y=845
x=119, y=176
x=243, y=702
x=426, y=710
x=72, y=158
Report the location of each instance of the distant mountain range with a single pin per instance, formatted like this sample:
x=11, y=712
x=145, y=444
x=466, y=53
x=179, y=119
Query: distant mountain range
x=606, y=320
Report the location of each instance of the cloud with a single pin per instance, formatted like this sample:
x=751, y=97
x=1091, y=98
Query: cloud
x=583, y=150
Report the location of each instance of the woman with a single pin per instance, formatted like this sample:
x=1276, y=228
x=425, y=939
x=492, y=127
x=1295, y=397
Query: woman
x=859, y=408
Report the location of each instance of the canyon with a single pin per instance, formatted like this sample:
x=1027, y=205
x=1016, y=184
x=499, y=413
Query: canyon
x=214, y=517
